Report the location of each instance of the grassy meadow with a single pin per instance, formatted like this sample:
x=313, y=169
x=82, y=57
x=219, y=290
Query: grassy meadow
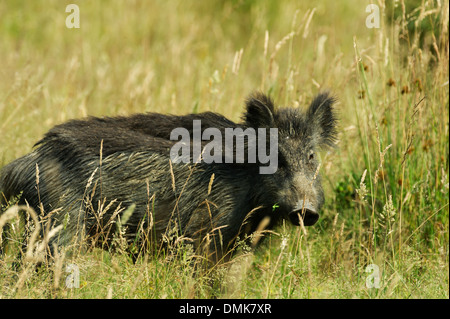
x=383, y=232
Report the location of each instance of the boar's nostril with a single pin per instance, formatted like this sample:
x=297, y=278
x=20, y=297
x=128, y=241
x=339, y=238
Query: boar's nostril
x=306, y=212
x=309, y=217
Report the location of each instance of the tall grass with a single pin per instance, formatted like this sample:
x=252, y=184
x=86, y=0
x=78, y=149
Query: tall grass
x=386, y=184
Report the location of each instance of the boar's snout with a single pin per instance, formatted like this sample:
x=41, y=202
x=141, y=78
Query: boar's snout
x=304, y=210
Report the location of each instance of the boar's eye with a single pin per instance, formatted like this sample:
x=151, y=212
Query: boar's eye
x=311, y=156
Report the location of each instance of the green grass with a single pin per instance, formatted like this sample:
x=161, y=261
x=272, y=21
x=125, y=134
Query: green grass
x=181, y=57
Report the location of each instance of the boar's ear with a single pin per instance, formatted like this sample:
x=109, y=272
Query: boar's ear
x=322, y=120
x=259, y=112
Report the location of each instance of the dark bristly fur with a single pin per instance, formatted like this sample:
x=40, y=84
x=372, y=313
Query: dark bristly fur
x=133, y=169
